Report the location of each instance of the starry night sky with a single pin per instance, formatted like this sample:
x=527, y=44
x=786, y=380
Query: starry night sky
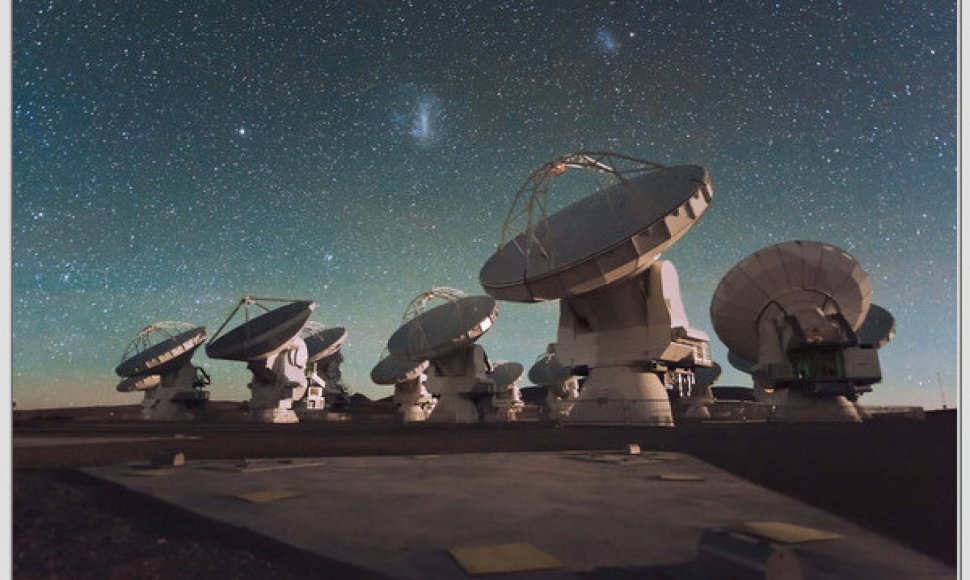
x=172, y=157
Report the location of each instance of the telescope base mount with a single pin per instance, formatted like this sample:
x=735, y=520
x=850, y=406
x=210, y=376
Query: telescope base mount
x=622, y=395
x=794, y=406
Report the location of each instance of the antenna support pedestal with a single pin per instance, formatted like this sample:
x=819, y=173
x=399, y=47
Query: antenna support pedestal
x=277, y=381
x=622, y=395
x=414, y=402
x=456, y=378
x=629, y=334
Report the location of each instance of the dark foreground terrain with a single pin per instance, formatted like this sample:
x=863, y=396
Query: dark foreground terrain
x=897, y=478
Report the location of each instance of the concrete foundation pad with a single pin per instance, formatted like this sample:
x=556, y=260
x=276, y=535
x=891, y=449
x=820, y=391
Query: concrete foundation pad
x=401, y=515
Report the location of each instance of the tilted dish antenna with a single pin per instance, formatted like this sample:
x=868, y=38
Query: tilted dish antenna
x=445, y=335
x=504, y=400
x=392, y=370
x=739, y=362
x=268, y=340
x=878, y=328
x=558, y=385
x=158, y=362
x=546, y=370
x=621, y=315
x=617, y=232
x=506, y=373
x=414, y=402
x=789, y=276
x=263, y=332
x=322, y=342
x=160, y=347
x=434, y=332
x=796, y=312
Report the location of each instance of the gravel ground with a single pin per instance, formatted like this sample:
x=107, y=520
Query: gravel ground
x=67, y=525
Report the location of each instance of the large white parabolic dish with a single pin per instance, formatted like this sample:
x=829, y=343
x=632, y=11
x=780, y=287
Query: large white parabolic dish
x=324, y=343
x=392, y=370
x=878, y=328
x=739, y=362
x=612, y=234
x=791, y=275
x=548, y=371
x=506, y=373
x=163, y=356
x=264, y=335
x=444, y=329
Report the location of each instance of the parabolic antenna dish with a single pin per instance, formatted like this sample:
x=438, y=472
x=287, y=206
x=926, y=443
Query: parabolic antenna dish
x=616, y=232
x=878, y=328
x=706, y=376
x=739, y=362
x=262, y=336
x=139, y=383
x=548, y=371
x=143, y=357
x=324, y=342
x=444, y=329
x=392, y=370
x=506, y=373
x=793, y=275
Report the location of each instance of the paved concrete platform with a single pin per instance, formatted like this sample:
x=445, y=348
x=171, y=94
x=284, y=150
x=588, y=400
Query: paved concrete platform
x=400, y=515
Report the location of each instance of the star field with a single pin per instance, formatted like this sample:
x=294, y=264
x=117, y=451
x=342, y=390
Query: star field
x=172, y=157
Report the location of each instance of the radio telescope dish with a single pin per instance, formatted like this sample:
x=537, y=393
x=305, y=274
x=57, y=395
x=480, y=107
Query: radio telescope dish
x=794, y=315
x=791, y=275
x=413, y=401
x=621, y=314
x=139, y=383
x=158, y=363
x=548, y=371
x=704, y=377
x=445, y=335
x=144, y=356
x=260, y=337
x=739, y=362
x=392, y=370
x=878, y=328
x=503, y=401
x=506, y=373
x=644, y=213
x=322, y=342
x=558, y=385
x=276, y=355
x=446, y=328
